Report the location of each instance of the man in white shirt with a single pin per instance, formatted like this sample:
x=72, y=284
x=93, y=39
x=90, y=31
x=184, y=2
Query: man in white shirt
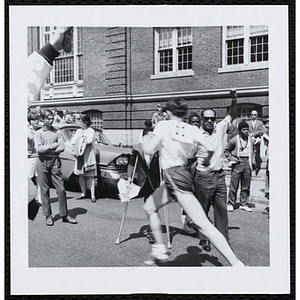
x=210, y=185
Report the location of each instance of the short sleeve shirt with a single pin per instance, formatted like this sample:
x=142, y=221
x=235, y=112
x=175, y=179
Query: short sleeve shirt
x=177, y=139
x=216, y=139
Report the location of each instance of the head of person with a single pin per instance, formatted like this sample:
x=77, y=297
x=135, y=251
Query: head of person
x=243, y=128
x=65, y=112
x=208, y=117
x=254, y=115
x=266, y=123
x=159, y=107
x=33, y=119
x=194, y=119
x=147, y=130
x=177, y=107
x=85, y=121
x=48, y=117
x=148, y=123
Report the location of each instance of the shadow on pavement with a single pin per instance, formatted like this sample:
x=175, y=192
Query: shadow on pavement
x=193, y=258
x=74, y=212
x=54, y=200
x=136, y=235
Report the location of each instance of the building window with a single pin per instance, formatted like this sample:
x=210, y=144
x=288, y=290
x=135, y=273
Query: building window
x=66, y=78
x=245, y=47
x=173, y=52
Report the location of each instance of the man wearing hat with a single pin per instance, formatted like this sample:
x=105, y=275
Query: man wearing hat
x=239, y=152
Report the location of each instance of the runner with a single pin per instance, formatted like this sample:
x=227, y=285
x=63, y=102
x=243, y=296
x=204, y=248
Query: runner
x=174, y=139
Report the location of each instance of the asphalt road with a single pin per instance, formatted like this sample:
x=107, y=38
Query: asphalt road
x=91, y=242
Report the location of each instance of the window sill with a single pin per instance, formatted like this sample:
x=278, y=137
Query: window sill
x=241, y=68
x=173, y=74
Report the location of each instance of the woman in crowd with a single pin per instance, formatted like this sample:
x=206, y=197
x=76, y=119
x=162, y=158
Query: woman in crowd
x=85, y=164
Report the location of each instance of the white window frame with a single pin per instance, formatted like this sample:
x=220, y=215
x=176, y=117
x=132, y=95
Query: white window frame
x=175, y=47
x=52, y=89
x=247, y=65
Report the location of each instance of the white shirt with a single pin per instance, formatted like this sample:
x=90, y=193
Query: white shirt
x=177, y=139
x=216, y=139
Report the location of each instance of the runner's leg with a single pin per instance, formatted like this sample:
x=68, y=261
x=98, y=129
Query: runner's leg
x=193, y=209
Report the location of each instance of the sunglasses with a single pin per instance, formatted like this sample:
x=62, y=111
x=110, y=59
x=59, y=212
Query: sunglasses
x=253, y=114
x=209, y=118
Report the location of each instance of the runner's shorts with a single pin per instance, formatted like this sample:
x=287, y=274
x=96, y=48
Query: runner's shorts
x=175, y=179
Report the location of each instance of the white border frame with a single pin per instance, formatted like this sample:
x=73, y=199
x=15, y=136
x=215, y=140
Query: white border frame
x=253, y=280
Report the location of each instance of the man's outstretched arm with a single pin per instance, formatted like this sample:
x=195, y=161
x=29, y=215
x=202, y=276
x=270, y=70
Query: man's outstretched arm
x=233, y=107
x=39, y=63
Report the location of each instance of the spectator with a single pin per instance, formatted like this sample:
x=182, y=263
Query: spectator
x=35, y=192
x=158, y=116
x=194, y=119
x=66, y=118
x=239, y=151
x=210, y=185
x=57, y=118
x=85, y=164
x=49, y=144
x=148, y=124
x=147, y=174
x=255, y=130
x=265, y=137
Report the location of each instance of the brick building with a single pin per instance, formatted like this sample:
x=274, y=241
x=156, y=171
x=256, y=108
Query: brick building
x=118, y=75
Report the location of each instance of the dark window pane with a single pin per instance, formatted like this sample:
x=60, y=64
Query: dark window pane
x=253, y=58
x=234, y=60
x=241, y=59
x=259, y=57
x=259, y=48
x=265, y=56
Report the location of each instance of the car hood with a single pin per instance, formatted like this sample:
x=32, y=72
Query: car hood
x=109, y=153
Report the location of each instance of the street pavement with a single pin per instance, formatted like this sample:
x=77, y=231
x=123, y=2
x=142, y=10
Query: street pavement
x=91, y=242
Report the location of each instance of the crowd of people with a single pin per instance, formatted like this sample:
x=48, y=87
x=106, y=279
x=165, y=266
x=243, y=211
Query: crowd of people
x=177, y=159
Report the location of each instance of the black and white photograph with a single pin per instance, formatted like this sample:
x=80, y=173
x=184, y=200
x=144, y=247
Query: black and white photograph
x=141, y=136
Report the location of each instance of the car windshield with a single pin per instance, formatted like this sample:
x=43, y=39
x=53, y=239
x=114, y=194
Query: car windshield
x=100, y=138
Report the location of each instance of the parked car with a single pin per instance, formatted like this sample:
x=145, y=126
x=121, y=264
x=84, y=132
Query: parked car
x=112, y=161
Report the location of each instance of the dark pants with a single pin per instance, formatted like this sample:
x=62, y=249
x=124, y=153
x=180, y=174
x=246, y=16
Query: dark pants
x=211, y=189
x=49, y=170
x=240, y=172
x=257, y=157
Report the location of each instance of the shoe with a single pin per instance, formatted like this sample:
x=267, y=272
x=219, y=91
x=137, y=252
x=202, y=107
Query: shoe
x=81, y=197
x=69, y=219
x=205, y=243
x=158, y=255
x=93, y=200
x=266, y=211
x=187, y=227
x=245, y=208
x=230, y=207
x=49, y=221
